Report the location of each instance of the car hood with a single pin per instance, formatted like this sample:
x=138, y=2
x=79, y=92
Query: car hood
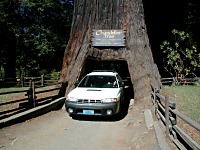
x=94, y=93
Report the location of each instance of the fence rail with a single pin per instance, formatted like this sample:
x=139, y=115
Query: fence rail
x=180, y=81
x=167, y=112
x=30, y=98
x=43, y=80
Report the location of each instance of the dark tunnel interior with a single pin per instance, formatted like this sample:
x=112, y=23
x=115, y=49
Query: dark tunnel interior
x=119, y=66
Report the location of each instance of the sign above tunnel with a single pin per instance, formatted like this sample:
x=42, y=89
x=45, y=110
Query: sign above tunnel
x=108, y=38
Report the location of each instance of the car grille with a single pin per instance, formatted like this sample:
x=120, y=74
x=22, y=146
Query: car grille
x=89, y=101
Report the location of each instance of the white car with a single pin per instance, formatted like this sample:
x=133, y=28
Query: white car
x=99, y=93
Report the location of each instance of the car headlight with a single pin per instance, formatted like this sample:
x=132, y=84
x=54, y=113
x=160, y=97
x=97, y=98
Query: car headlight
x=71, y=99
x=109, y=100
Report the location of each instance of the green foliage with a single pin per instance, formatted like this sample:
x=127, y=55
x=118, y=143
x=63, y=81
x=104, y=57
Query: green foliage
x=55, y=73
x=192, y=18
x=41, y=31
x=182, y=57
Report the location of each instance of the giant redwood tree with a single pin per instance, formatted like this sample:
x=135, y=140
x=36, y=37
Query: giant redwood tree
x=113, y=16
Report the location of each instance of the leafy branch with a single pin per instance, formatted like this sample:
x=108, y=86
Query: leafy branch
x=182, y=57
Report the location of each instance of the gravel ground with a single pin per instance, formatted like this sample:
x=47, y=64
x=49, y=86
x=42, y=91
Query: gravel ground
x=56, y=130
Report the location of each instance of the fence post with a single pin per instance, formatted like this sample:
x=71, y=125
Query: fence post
x=22, y=80
x=173, y=81
x=174, y=107
x=63, y=89
x=30, y=93
x=167, y=115
x=33, y=93
x=42, y=80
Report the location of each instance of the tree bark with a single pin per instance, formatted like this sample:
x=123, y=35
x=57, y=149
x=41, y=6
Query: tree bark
x=127, y=15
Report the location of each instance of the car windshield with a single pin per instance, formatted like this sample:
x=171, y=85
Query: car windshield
x=98, y=81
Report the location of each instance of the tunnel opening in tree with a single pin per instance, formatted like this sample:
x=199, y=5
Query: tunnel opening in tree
x=127, y=16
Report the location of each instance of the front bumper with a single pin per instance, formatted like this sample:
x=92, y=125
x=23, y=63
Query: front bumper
x=97, y=109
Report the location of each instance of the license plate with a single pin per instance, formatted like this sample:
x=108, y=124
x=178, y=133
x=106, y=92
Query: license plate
x=88, y=112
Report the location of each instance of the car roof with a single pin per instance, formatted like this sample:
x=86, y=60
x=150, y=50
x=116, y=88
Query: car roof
x=103, y=72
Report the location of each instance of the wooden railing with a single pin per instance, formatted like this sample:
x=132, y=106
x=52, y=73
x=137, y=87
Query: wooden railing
x=43, y=80
x=179, y=81
x=167, y=112
x=30, y=98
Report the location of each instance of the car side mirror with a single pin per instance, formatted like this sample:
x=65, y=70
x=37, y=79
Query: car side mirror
x=122, y=84
x=76, y=83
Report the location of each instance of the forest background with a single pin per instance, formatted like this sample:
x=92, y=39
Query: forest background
x=35, y=33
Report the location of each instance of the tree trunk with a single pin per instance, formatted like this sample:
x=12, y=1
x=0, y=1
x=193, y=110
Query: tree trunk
x=125, y=15
x=10, y=65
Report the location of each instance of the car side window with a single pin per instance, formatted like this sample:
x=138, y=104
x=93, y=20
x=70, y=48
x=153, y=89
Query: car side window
x=111, y=82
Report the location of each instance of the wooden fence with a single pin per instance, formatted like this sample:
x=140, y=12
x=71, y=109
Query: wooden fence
x=30, y=98
x=180, y=81
x=43, y=80
x=165, y=110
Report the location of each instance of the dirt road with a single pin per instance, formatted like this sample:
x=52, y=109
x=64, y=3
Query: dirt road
x=57, y=131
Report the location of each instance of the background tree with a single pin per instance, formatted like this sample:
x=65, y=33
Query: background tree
x=192, y=20
x=35, y=32
x=45, y=28
x=182, y=57
x=8, y=28
x=34, y=35
x=126, y=15
x=182, y=15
